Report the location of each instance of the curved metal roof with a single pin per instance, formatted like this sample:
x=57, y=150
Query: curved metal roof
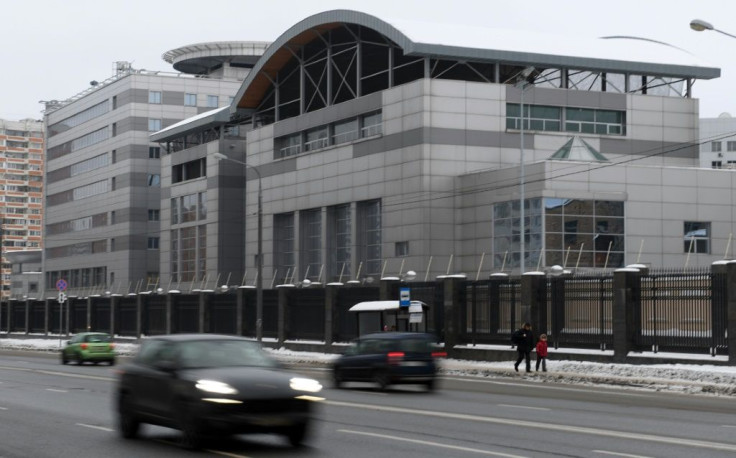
x=480, y=44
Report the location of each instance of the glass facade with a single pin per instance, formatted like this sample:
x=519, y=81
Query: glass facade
x=283, y=245
x=369, y=237
x=569, y=232
x=570, y=119
x=310, y=223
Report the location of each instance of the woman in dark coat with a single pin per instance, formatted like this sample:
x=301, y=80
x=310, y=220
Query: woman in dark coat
x=524, y=341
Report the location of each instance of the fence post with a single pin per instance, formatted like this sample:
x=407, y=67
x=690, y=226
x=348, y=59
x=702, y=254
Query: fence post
x=113, y=308
x=89, y=314
x=139, y=316
x=170, y=306
x=386, y=289
x=330, y=315
x=201, y=311
x=534, y=300
x=731, y=312
x=46, y=310
x=453, y=286
x=28, y=316
x=239, y=307
x=626, y=301
x=557, y=284
x=283, y=321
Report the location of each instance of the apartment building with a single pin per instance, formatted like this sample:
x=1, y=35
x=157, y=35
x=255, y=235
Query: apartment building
x=103, y=181
x=21, y=191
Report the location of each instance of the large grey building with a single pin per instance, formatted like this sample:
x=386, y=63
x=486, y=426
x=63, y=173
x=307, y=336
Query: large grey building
x=718, y=142
x=103, y=173
x=380, y=150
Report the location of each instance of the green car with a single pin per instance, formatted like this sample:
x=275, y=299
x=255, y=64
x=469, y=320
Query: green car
x=89, y=346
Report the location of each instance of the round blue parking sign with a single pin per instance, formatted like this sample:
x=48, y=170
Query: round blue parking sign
x=61, y=285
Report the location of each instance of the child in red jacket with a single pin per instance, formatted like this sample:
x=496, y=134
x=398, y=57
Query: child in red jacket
x=542, y=352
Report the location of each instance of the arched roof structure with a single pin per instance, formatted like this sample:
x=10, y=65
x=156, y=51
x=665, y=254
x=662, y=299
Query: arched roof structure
x=461, y=45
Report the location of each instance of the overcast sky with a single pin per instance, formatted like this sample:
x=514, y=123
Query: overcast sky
x=52, y=49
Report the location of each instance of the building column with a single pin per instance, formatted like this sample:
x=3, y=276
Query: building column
x=139, y=303
x=731, y=312
x=28, y=316
x=452, y=304
x=283, y=313
x=331, y=317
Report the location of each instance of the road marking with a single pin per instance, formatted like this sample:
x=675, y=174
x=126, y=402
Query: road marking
x=228, y=454
x=56, y=391
x=728, y=426
x=101, y=428
x=606, y=452
x=523, y=407
x=61, y=374
x=549, y=387
x=3, y=408
x=433, y=444
x=538, y=425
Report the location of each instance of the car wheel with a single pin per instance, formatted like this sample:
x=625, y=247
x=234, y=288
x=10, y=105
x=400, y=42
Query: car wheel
x=95, y=362
x=381, y=379
x=338, y=378
x=430, y=385
x=127, y=422
x=192, y=436
x=111, y=362
x=64, y=359
x=297, y=434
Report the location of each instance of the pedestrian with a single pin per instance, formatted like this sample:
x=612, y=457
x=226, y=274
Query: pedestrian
x=542, y=352
x=524, y=340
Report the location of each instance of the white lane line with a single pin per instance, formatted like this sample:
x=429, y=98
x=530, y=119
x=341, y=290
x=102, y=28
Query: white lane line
x=430, y=443
x=728, y=426
x=546, y=387
x=228, y=454
x=606, y=452
x=513, y=406
x=3, y=408
x=539, y=425
x=61, y=374
x=56, y=391
x=101, y=428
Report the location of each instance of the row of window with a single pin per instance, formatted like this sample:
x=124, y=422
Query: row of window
x=78, y=278
x=329, y=259
x=21, y=144
x=188, y=253
x=335, y=133
x=717, y=147
x=79, y=118
x=566, y=119
x=190, y=100
x=20, y=133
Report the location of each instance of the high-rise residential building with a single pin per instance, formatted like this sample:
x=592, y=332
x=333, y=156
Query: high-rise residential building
x=21, y=190
x=103, y=173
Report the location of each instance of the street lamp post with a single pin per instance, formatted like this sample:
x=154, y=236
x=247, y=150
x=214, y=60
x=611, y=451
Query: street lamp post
x=522, y=84
x=259, y=255
x=700, y=25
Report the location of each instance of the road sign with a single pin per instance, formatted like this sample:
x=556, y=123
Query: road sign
x=62, y=297
x=404, y=299
x=61, y=284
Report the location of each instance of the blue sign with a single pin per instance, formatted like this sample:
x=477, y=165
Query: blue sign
x=61, y=284
x=404, y=299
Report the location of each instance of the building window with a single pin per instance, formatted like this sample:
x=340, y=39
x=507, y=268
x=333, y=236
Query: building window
x=289, y=146
x=316, y=139
x=369, y=236
x=697, y=237
x=174, y=211
x=715, y=147
x=589, y=121
x=716, y=164
x=114, y=102
x=202, y=205
x=154, y=180
x=154, y=125
x=190, y=100
x=154, y=96
x=310, y=224
x=188, y=210
x=345, y=131
x=536, y=117
x=339, y=241
x=372, y=124
x=153, y=243
x=401, y=249
x=189, y=170
x=154, y=152
x=153, y=215
x=213, y=101
x=731, y=146
x=283, y=244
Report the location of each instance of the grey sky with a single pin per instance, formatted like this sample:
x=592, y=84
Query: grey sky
x=52, y=49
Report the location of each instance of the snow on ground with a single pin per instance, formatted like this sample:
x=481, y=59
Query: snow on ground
x=682, y=378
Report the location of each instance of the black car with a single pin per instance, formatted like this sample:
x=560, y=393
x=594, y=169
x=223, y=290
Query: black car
x=388, y=358
x=206, y=384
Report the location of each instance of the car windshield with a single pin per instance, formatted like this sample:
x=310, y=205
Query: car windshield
x=221, y=353
x=94, y=338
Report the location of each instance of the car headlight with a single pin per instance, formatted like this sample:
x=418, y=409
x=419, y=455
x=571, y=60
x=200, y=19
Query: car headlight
x=305, y=384
x=213, y=386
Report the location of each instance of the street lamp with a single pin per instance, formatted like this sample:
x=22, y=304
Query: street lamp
x=700, y=25
x=522, y=83
x=259, y=255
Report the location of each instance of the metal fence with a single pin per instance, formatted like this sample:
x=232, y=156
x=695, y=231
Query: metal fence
x=580, y=311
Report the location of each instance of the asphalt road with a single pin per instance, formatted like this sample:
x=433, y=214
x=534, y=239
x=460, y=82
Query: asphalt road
x=50, y=410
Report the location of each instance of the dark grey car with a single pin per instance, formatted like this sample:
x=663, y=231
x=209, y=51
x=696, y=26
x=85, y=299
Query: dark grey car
x=389, y=358
x=207, y=384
